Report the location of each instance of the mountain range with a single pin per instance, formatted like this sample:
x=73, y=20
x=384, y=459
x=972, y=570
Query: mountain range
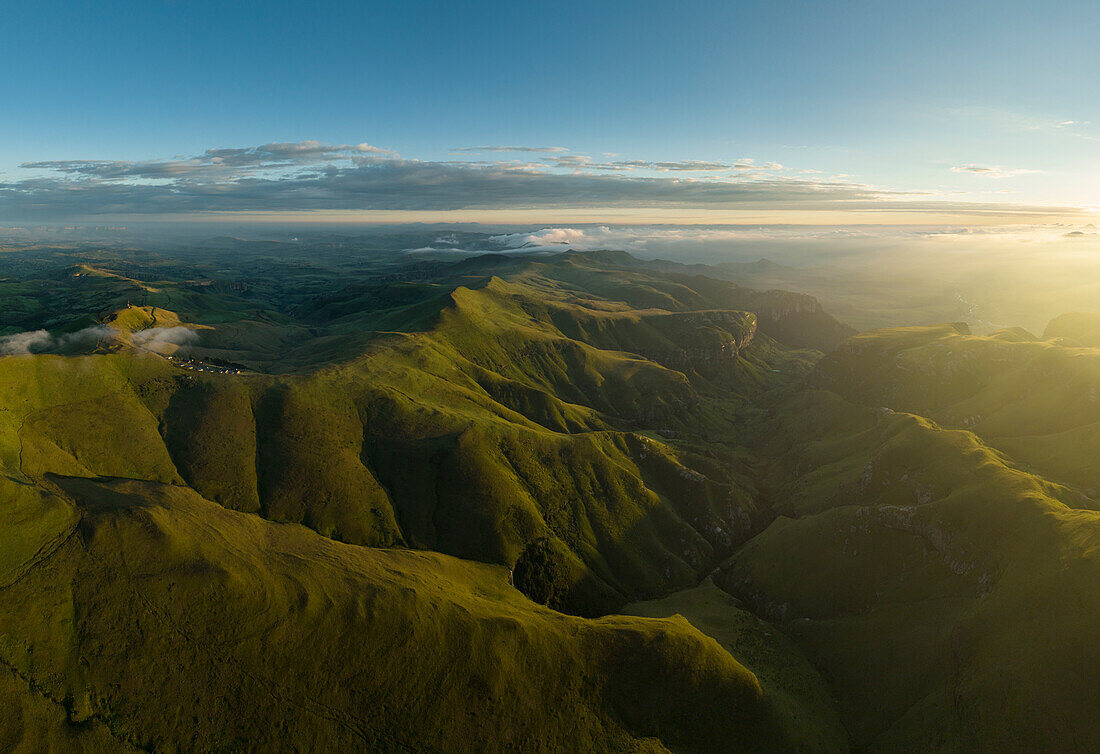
x=540, y=502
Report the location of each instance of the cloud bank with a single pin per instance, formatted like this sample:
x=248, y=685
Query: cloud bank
x=213, y=164
x=312, y=176
x=158, y=336
x=41, y=341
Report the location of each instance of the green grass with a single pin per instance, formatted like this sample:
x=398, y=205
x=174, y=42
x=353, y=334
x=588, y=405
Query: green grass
x=171, y=621
x=945, y=591
x=798, y=700
x=1037, y=400
x=316, y=553
x=489, y=431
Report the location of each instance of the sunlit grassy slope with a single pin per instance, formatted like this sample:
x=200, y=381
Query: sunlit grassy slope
x=1038, y=400
x=515, y=416
x=149, y=602
x=161, y=620
x=605, y=299
x=890, y=548
x=947, y=591
x=1079, y=328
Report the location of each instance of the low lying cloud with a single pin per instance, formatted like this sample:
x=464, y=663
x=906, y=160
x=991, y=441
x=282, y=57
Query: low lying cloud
x=796, y=245
x=155, y=336
x=580, y=237
x=34, y=341
x=41, y=341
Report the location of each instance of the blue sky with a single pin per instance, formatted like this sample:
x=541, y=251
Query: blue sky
x=886, y=105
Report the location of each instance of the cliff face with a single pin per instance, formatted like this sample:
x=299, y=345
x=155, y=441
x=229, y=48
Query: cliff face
x=794, y=319
x=675, y=340
x=712, y=339
x=798, y=320
x=786, y=303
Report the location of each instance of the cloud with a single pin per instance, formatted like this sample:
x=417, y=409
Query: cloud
x=578, y=161
x=793, y=245
x=650, y=240
x=310, y=176
x=41, y=341
x=558, y=237
x=25, y=342
x=563, y=158
x=373, y=182
x=1020, y=122
x=154, y=336
x=213, y=164
x=458, y=150
x=991, y=171
x=970, y=169
x=683, y=165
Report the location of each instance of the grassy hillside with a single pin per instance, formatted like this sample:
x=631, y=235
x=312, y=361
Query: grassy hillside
x=396, y=507
x=916, y=565
x=495, y=414
x=806, y=715
x=358, y=460
x=1038, y=400
x=161, y=620
x=1083, y=328
x=516, y=416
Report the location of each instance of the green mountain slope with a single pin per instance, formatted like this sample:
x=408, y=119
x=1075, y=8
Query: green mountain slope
x=1081, y=327
x=514, y=417
x=149, y=603
x=397, y=506
x=946, y=593
x=801, y=699
x=167, y=621
x=1038, y=400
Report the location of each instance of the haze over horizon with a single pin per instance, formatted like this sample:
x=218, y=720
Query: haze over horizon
x=981, y=114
